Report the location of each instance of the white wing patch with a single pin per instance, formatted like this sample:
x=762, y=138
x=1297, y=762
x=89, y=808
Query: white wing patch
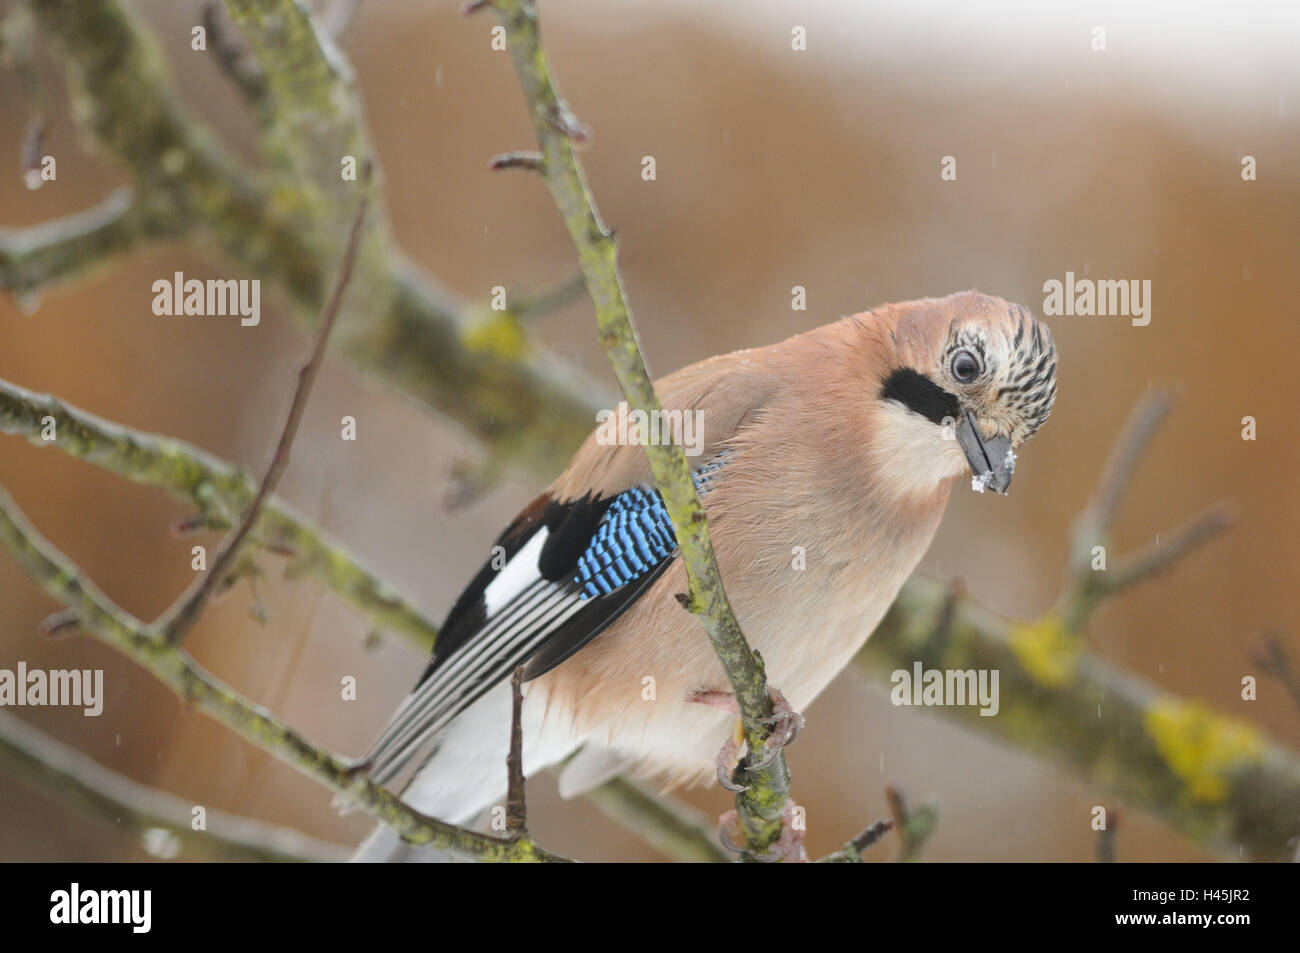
x=523, y=609
x=516, y=575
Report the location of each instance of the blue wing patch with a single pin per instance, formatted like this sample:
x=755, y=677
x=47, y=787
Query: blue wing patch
x=633, y=537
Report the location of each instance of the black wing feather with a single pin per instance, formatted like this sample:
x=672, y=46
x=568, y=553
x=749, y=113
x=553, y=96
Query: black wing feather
x=556, y=594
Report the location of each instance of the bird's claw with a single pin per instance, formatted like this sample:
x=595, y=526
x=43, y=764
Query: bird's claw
x=773, y=752
x=725, y=765
x=786, y=724
x=729, y=832
x=785, y=721
x=787, y=849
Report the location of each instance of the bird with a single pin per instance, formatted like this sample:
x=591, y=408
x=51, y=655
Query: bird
x=825, y=463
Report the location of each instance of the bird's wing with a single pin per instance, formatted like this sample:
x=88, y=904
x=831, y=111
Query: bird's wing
x=575, y=559
x=560, y=574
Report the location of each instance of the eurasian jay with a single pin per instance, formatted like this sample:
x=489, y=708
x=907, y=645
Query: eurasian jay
x=826, y=463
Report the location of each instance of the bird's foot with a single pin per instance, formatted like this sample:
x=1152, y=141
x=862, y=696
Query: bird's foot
x=786, y=849
x=786, y=724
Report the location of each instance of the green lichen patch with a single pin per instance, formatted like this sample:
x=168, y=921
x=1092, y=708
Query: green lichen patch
x=1048, y=652
x=1203, y=748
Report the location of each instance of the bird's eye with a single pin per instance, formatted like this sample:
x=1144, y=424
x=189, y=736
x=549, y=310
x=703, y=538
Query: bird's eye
x=965, y=366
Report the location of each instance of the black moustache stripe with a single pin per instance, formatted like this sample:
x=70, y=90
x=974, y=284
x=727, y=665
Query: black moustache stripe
x=918, y=393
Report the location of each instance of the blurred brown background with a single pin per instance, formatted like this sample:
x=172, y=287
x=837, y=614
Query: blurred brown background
x=775, y=168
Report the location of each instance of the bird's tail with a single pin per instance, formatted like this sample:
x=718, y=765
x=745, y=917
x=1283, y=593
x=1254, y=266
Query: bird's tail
x=465, y=776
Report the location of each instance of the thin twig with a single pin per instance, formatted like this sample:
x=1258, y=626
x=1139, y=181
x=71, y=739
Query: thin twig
x=1085, y=587
x=1126, y=452
x=529, y=161
x=852, y=851
x=761, y=805
x=57, y=623
x=516, y=802
x=185, y=611
x=550, y=299
x=1159, y=555
x=68, y=775
x=1080, y=600
x=1093, y=525
x=914, y=826
x=1272, y=658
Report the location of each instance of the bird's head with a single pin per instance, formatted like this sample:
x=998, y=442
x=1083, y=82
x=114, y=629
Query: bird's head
x=971, y=378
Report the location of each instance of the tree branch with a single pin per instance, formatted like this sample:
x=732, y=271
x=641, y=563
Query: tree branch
x=760, y=805
x=55, y=769
x=65, y=248
x=412, y=332
x=1219, y=780
x=217, y=489
x=237, y=63
x=309, y=89
x=65, y=582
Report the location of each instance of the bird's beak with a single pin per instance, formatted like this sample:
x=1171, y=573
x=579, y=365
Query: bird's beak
x=991, y=461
